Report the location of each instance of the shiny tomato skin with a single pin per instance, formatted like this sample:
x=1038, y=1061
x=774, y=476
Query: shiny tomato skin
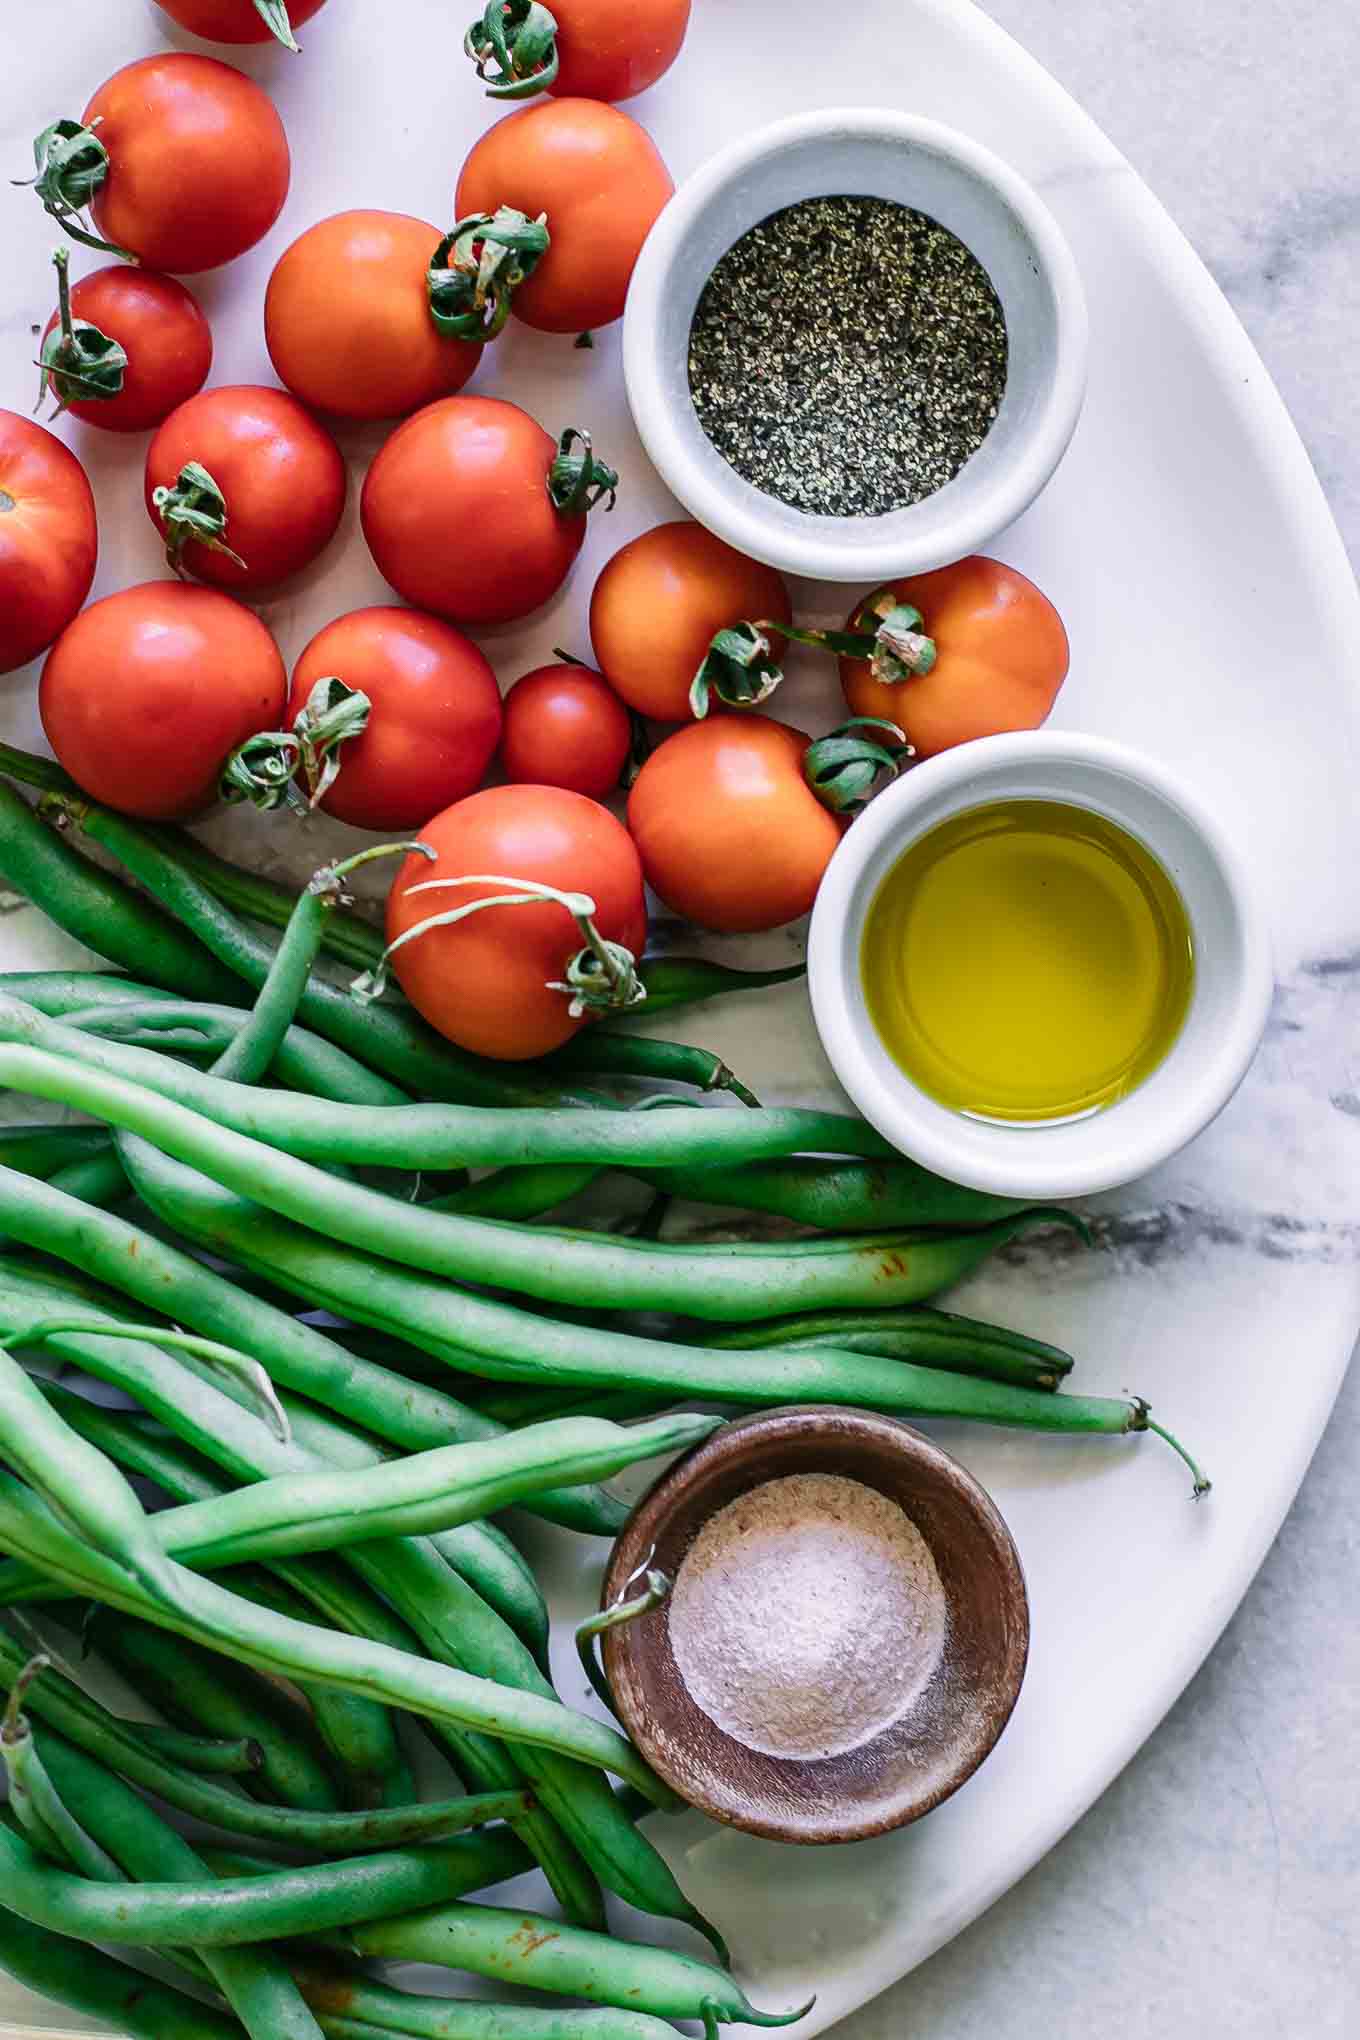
x=147, y=693
x=565, y=726
x=601, y=181
x=434, y=723
x=612, y=49
x=457, y=514
x=1002, y=657
x=233, y=21
x=347, y=318
x=160, y=327
x=49, y=541
x=729, y=833
x=484, y=984
x=282, y=475
x=658, y=604
x=198, y=161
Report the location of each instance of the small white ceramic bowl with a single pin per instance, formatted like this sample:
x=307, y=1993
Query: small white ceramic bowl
x=871, y=153
x=1228, y=1006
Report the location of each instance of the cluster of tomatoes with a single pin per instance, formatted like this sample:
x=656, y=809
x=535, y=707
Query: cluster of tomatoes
x=472, y=511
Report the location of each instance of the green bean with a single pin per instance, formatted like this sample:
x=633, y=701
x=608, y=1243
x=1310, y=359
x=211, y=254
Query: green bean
x=929, y=1338
x=685, y=980
x=99, y=1179
x=96, y=908
x=543, y=1955
x=243, y=1378
x=96, y=1985
x=444, y=1136
x=836, y=1196
x=598, y=1051
x=42, y=1150
x=352, y=2006
x=296, y=1355
x=34, y=1800
x=211, y=1756
x=525, y=1191
x=714, y=1282
x=204, y=1691
x=233, y=1912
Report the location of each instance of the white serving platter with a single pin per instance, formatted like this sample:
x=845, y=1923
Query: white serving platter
x=1213, y=618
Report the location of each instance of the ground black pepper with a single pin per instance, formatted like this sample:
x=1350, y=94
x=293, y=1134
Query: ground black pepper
x=847, y=356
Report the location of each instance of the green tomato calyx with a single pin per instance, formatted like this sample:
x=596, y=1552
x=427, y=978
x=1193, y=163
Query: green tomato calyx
x=513, y=44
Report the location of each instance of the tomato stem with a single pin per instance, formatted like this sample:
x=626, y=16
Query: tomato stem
x=741, y=669
x=274, y=15
x=477, y=267
x=513, y=44
x=79, y=363
x=72, y=164
x=193, y=507
x=843, y=768
x=577, y=481
x=265, y=769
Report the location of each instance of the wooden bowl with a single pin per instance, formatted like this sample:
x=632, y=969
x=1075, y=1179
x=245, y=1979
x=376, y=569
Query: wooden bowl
x=945, y=1733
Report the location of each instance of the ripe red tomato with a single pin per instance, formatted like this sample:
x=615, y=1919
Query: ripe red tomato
x=1001, y=656
x=147, y=693
x=233, y=21
x=434, y=723
x=611, y=49
x=162, y=330
x=279, y=473
x=457, y=513
x=565, y=726
x=486, y=983
x=658, y=604
x=347, y=318
x=198, y=161
x=598, y=177
x=48, y=539
x=730, y=834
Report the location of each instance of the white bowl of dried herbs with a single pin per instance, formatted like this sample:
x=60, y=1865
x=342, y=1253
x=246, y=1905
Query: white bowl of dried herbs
x=855, y=344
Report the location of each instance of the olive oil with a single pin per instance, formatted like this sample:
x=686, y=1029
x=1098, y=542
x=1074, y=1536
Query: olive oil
x=1027, y=960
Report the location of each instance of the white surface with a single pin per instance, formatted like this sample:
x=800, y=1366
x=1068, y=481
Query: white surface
x=1229, y=1001
x=1184, y=518
x=880, y=153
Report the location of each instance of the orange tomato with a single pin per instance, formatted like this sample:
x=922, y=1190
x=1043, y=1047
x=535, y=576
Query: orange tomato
x=1001, y=657
x=280, y=473
x=48, y=539
x=658, y=604
x=434, y=722
x=162, y=330
x=146, y=694
x=598, y=177
x=730, y=834
x=233, y=21
x=198, y=161
x=612, y=49
x=565, y=726
x=486, y=983
x=347, y=318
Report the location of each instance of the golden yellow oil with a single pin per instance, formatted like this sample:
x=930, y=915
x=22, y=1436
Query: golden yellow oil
x=1027, y=960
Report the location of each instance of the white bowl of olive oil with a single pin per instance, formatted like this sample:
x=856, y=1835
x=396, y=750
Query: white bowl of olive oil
x=1038, y=965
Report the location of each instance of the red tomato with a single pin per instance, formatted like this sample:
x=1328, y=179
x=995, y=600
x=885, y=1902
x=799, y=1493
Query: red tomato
x=598, y=177
x=160, y=328
x=611, y=49
x=435, y=718
x=347, y=318
x=280, y=474
x=147, y=693
x=730, y=834
x=485, y=983
x=1001, y=657
x=198, y=161
x=658, y=604
x=565, y=726
x=233, y=21
x=457, y=513
x=48, y=539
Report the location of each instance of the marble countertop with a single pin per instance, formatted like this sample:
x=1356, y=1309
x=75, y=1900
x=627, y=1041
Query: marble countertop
x=1216, y=1886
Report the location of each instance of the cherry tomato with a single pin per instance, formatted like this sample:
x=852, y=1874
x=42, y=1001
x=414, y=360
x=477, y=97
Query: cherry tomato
x=486, y=983
x=658, y=604
x=730, y=834
x=565, y=726
x=48, y=539
x=347, y=318
x=457, y=513
x=161, y=329
x=1001, y=656
x=612, y=49
x=280, y=476
x=198, y=161
x=434, y=723
x=234, y=21
x=148, y=692
x=598, y=177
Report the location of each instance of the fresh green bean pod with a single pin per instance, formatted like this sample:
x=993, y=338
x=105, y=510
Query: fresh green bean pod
x=352, y=2006
x=928, y=1338
x=41, y=1813
x=836, y=1196
x=205, y=1691
x=97, y=908
x=600, y=1052
x=43, y=1150
x=526, y=1191
x=234, y=1912
x=98, y=1179
x=686, y=980
x=94, y=1984
x=209, y=1755
x=542, y=1955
